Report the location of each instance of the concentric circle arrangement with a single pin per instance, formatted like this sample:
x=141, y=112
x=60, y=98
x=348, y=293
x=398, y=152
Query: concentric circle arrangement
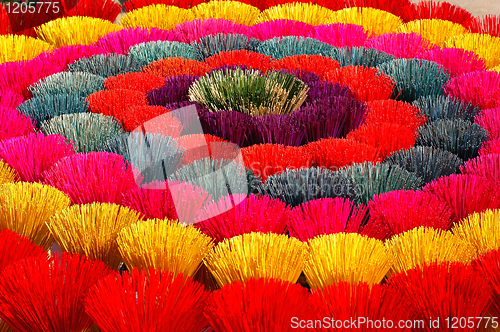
x=255, y=166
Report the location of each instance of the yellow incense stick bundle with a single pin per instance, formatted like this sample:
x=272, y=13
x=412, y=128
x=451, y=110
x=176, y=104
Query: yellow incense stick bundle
x=257, y=255
x=481, y=230
x=423, y=246
x=75, y=30
x=348, y=257
x=165, y=245
x=156, y=16
x=26, y=207
x=92, y=229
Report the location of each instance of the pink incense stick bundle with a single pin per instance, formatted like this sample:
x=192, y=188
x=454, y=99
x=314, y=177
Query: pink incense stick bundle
x=465, y=194
x=170, y=199
x=239, y=214
x=490, y=147
x=63, y=56
x=401, y=45
x=489, y=119
x=9, y=98
x=326, y=216
x=487, y=166
x=456, y=60
x=33, y=154
x=18, y=76
x=281, y=28
x=92, y=177
x=341, y=34
x=402, y=210
x=13, y=123
x=120, y=41
x=480, y=88
x=191, y=31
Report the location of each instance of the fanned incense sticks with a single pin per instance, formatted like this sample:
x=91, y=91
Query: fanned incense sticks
x=443, y=290
x=465, y=194
x=75, y=30
x=487, y=264
x=264, y=139
x=430, y=9
x=480, y=231
x=346, y=300
x=400, y=211
x=14, y=124
x=326, y=216
x=280, y=28
x=375, y=21
x=263, y=304
x=446, y=107
x=485, y=46
x=141, y=82
x=121, y=41
x=350, y=257
x=257, y=255
x=92, y=229
x=7, y=174
x=86, y=130
x=304, y=12
x=194, y=30
x=427, y=162
x=239, y=214
x=424, y=246
x=415, y=78
x=33, y=154
x=46, y=107
x=106, y=65
x=271, y=93
x=78, y=83
x=165, y=245
x=92, y=177
x=156, y=16
x=15, y=48
x=40, y=293
x=335, y=153
x=435, y=30
x=236, y=11
x=457, y=136
x=152, y=300
x=401, y=45
x=455, y=60
x=269, y=159
x=26, y=208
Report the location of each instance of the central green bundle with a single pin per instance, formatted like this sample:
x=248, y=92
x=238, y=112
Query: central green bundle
x=249, y=91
